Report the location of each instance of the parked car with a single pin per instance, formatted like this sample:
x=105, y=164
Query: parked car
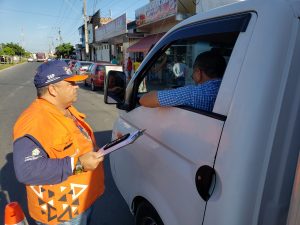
x=81, y=67
x=97, y=73
x=66, y=60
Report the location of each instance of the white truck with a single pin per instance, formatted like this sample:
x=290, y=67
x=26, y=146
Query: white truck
x=235, y=165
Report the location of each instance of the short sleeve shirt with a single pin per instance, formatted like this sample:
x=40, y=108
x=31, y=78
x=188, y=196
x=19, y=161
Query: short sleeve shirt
x=201, y=96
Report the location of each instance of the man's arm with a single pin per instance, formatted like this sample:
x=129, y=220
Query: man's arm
x=173, y=97
x=33, y=166
x=150, y=100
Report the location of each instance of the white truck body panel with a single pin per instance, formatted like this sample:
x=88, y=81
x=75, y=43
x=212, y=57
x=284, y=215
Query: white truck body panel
x=253, y=151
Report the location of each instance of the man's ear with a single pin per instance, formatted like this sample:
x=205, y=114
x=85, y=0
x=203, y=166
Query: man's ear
x=52, y=90
x=198, y=76
x=201, y=76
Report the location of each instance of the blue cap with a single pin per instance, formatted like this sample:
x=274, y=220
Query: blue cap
x=54, y=71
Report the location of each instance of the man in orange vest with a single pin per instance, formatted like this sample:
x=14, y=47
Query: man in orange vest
x=54, y=151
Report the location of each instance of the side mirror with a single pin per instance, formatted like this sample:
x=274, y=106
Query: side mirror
x=114, y=88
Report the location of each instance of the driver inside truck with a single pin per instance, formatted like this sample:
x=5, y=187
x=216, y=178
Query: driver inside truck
x=208, y=70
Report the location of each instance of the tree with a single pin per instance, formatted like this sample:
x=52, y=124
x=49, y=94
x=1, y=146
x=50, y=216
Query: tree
x=7, y=51
x=64, y=50
x=27, y=54
x=18, y=50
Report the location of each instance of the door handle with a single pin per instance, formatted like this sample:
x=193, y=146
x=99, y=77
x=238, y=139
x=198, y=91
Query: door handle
x=205, y=180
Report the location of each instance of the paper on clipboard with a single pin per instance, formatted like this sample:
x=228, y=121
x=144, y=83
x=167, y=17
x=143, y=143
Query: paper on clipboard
x=120, y=142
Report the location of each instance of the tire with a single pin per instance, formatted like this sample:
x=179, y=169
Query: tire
x=93, y=88
x=147, y=215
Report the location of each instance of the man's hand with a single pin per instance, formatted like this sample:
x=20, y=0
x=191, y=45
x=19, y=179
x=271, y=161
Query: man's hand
x=90, y=160
x=119, y=134
x=150, y=100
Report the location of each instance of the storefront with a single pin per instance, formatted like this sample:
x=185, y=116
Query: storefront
x=142, y=47
x=156, y=18
x=113, y=34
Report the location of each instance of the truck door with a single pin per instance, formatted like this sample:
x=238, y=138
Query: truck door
x=172, y=166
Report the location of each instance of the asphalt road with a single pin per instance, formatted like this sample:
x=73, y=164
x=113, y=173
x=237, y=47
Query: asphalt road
x=16, y=93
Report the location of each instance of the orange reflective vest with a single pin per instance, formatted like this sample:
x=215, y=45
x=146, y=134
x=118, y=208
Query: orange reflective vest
x=60, y=137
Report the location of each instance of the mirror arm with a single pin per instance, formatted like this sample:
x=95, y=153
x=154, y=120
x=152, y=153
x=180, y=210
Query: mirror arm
x=123, y=106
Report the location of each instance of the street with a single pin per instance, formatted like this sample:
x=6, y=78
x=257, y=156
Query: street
x=17, y=92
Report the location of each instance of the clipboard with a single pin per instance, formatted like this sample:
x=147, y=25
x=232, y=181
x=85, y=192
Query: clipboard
x=120, y=142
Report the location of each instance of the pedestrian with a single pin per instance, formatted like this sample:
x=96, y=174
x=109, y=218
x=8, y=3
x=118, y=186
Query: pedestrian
x=114, y=60
x=160, y=68
x=179, y=70
x=129, y=67
x=54, y=151
x=136, y=64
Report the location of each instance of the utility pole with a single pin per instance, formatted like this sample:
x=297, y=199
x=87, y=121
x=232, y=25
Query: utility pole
x=85, y=29
x=60, y=37
x=51, y=45
x=22, y=42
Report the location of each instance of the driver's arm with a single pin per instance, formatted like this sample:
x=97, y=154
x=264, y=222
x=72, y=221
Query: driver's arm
x=150, y=100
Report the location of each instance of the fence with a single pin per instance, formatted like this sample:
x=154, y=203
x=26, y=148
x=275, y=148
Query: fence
x=5, y=59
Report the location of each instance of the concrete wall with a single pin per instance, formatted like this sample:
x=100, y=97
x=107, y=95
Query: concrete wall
x=102, y=53
x=204, y=5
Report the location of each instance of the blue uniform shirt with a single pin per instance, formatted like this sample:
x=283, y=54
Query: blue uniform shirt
x=201, y=96
x=30, y=159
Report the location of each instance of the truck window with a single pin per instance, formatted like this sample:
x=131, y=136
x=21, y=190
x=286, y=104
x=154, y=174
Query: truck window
x=173, y=68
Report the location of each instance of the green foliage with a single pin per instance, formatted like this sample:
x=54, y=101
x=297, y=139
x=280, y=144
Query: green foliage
x=12, y=49
x=64, y=50
x=27, y=54
x=7, y=51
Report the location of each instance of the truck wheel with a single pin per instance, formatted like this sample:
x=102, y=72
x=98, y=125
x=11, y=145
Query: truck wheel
x=147, y=215
x=93, y=88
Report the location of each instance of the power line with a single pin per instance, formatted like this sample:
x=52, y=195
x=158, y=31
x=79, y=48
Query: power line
x=68, y=8
x=71, y=6
x=27, y=12
x=66, y=12
x=57, y=20
x=94, y=6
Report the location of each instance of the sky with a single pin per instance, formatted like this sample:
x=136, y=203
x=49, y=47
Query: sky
x=35, y=24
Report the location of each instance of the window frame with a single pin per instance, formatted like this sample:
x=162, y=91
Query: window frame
x=232, y=23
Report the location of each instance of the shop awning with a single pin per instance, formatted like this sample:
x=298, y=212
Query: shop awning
x=144, y=44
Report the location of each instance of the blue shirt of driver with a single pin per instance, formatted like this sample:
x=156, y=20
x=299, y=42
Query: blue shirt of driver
x=200, y=96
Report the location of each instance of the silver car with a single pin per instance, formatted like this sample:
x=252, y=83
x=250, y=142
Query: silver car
x=81, y=67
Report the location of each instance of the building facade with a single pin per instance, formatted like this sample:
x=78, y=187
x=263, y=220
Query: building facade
x=155, y=19
x=121, y=38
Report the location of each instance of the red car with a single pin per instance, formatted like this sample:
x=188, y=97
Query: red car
x=97, y=73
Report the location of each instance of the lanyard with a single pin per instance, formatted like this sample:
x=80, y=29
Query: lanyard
x=81, y=128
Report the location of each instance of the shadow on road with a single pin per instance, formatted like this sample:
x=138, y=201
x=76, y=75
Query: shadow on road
x=110, y=209
x=11, y=189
